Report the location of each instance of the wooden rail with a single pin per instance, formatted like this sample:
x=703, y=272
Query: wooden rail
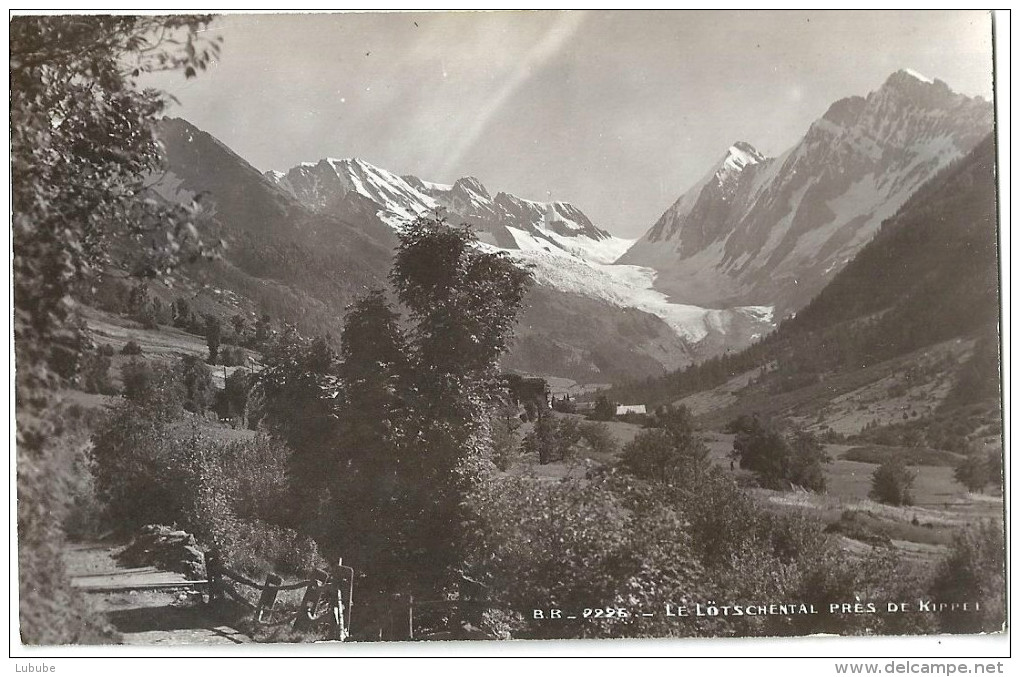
x=323, y=600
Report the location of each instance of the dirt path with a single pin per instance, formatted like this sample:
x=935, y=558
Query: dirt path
x=137, y=607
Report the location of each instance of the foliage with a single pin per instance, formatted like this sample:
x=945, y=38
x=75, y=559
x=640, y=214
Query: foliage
x=605, y=409
x=506, y=445
x=598, y=437
x=778, y=459
x=142, y=474
x=463, y=303
x=213, y=330
x=232, y=401
x=892, y=481
x=539, y=546
x=673, y=452
x=298, y=388
x=131, y=348
x=196, y=382
x=974, y=571
x=979, y=469
x=94, y=374
x=81, y=149
x=155, y=387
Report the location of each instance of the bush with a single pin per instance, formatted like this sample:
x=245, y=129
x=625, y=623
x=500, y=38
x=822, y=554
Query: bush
x=599, y=438
x=891, y=483
x=605, y=410
x=778, y=459
x=564, y=406
x=974, y=571
x=106, y=350
x=196, y=381
x=142, y=475
x=231, y=356
x=232, y=401
x=94, y=374
x=154, y=387
x=131, y=348
x=506, y=448
x=553, y=438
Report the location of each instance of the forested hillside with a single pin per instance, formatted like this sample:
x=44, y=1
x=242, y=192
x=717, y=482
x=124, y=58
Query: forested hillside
x=930, y=274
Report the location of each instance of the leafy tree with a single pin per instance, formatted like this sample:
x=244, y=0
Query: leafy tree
x=131, y=348
x=238, y=323
x=974, y=571
x=463, y=303
x=372, y=366
x=263, y=328
x=892, y=481
x=299, y=389
x=196, y=382
x=82, y=146
x=973, y=471
x=668, y=454
x=599, y=438
x=778, y=459
x=605, y=409
x=180, y=312
x=806, y=459
x=213, y=331
x=154, y=387
x=542, y=441
x=94, y=376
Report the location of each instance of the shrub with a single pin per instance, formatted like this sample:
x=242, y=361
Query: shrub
x=131, y=348
x=564, y=406
x=141, y=474
x=506, y=447
x=599, y=438
x=974, y=571
x=605, y=410
x=232, y=401
x=196, y=381
x=231, y=356
x=106, y=350
x=94, y=374
x=891, y=482
x=554, y=438
x=778, y=459
x=154, y=387
x=973, y=471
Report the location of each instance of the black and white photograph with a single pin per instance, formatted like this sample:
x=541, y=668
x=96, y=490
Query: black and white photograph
x=391, y=328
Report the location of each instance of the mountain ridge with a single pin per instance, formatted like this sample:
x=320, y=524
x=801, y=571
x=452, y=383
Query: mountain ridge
x=776, y=230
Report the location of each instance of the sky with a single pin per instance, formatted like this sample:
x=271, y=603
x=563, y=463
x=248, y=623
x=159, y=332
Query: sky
x=616, y=112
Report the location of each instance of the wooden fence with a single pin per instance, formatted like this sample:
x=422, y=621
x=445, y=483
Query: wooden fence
x=328, y=597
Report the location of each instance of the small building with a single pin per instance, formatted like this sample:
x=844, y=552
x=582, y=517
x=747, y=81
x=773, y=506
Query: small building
x=630, y=409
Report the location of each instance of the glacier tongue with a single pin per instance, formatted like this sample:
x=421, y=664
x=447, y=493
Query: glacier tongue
x=565, y=250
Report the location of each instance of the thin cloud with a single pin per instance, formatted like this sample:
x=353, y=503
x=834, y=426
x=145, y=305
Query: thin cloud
x=551, y=44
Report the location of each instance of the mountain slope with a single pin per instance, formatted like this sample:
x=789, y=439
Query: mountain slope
x=304, y=245
x=773, y=231
x=568, y=254
x=928, y=278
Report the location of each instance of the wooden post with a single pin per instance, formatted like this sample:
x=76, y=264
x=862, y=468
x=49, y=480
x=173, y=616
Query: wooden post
x=310, y=602
x=212, y=574
x=268, y=598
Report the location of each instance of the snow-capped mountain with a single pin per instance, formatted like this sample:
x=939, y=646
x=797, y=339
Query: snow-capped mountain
x=565, y=250
x=773, y=231
x=505, y=221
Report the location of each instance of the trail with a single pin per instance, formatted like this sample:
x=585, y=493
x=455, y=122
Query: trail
x=146, y=606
